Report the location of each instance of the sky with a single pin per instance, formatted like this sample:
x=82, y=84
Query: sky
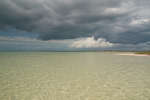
x=74, y=25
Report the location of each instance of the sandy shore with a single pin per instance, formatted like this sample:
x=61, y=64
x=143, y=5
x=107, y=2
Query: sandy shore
x=132, y=54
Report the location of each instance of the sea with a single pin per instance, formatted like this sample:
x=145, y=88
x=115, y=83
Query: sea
x=74, y=76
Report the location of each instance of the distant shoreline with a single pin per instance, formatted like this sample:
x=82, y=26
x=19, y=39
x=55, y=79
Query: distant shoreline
x=143, y=53
x=146, y=52
x=127, y=53
x=135, y=54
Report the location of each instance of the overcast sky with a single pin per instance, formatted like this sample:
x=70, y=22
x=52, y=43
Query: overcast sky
x=74, y=25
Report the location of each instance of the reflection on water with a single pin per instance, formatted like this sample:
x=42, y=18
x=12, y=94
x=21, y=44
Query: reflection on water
x=73, y=76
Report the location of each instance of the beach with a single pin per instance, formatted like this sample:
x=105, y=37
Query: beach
x=132, y=54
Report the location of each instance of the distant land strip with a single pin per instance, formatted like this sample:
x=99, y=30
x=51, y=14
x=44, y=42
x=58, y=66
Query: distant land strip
x=144, y=52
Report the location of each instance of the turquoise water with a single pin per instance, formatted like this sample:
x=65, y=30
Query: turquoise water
x=73, y=76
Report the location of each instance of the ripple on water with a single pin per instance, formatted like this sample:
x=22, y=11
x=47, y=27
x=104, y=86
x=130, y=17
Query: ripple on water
x=74, y=76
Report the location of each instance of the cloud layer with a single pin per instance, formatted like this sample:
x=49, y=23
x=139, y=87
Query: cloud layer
x=90, y=42
x=123, y=22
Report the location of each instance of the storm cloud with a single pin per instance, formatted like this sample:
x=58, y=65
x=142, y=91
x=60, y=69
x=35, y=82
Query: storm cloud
x=117, y=21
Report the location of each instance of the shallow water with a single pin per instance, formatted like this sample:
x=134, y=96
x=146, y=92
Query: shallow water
x=73, y=76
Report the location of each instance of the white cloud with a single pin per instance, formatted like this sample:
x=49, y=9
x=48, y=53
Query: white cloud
x=115, y=10
x=90, y=42
x=139, y=21
x=122, y=9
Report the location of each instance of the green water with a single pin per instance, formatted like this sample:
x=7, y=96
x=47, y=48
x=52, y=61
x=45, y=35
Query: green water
x=73, y=76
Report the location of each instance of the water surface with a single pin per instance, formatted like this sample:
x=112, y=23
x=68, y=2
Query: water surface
x=73, y=76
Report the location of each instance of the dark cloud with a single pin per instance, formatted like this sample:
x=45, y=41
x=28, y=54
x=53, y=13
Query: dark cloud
x=118, y=21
